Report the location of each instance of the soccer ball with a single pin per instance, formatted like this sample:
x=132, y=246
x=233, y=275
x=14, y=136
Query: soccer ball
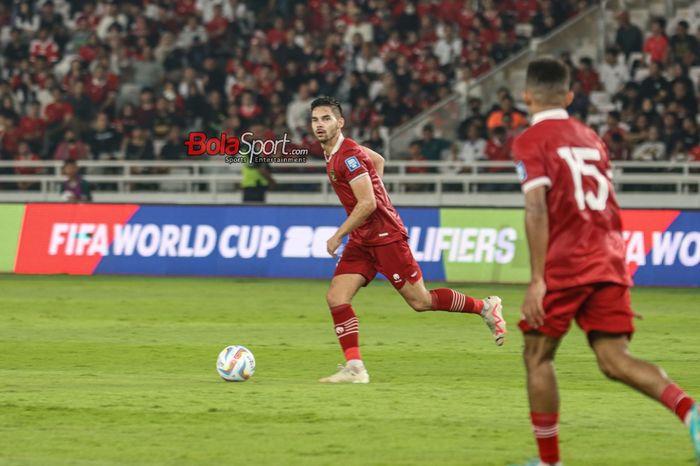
x=235, y=364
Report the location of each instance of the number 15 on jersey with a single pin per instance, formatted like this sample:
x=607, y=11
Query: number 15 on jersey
x=578, y=160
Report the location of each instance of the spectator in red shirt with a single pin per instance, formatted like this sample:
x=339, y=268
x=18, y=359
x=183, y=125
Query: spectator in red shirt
x=71, y=148
x=146, y=112
x=277, y=34
x=25, y=154
x=32, y=126
x=44, y=46
x=56, y=111
x=588, y=76
x=216, y=28
x=498, y=147
x=101, y=87
x=186, y=8
x=656, y=46
x=498, y=150
x=10, y=137
x=249, y=111
x=615, y=137
x=361, y=113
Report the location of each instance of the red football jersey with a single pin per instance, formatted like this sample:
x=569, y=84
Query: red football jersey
x=347, y=163
x=585, y=230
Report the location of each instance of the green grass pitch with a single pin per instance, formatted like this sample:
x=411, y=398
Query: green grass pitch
x=120, y=370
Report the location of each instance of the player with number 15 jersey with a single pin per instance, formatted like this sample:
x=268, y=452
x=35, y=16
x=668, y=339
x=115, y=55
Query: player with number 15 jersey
x=585, y=231
x=577, y=260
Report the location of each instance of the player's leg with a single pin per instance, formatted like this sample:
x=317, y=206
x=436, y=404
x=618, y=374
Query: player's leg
x=354, y=270
x=339, y=296
x=490, y=309
x=616, y=362
x=396, y=262
x=543, y=393
x=541, y=344
x=607, y=319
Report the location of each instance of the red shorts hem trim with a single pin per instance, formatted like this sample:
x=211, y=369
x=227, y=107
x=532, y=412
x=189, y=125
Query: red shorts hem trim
x=546, y=331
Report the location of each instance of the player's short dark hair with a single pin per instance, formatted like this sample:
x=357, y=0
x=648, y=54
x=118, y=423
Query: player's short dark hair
x=326, y=101
x=547, y=80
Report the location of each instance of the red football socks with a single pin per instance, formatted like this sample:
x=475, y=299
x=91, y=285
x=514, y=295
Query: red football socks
x=546, y=428
x=675, y=399
x=347, y=330
x=446, y=299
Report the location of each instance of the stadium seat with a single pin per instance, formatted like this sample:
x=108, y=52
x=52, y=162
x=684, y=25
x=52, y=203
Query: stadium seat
x=635, y=57
x=694, y=74
x=600, y=98
x=657, y=8
x=524, y=29
x=640, y=74
x=640, y=17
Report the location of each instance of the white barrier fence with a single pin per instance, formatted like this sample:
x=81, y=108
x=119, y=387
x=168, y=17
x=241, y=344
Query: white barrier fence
x=639, y=184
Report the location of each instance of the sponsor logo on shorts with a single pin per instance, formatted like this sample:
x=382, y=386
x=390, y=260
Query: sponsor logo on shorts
x=396, y=277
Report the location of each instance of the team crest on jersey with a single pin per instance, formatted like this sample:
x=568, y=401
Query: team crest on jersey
x=522, y=173
x=352, y=163
x=333, y=175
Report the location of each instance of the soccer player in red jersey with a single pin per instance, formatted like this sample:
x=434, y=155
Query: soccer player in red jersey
x=577, y=257
x=377, y=243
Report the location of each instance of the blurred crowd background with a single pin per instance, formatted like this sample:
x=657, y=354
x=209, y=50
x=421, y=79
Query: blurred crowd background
x=128, y=80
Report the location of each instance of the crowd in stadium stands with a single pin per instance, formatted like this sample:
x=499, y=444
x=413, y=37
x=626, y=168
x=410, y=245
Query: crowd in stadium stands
x=107, y=79
x=127, y=80
x=655, y=117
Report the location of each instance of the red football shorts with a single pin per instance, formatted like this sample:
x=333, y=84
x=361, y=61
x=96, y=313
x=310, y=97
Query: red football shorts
x=394, y=260
x=603, y=307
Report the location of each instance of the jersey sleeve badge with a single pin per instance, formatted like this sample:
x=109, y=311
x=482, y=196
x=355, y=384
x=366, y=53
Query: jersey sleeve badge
x=352, y=163
x=522, y=172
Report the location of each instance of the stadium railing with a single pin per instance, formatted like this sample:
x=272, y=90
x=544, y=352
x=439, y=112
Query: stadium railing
x=482, y=183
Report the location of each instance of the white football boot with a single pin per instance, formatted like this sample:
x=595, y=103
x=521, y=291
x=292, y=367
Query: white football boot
x=348, y=374
x=493, y=316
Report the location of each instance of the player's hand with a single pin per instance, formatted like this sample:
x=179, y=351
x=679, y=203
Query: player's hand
x=333, y=244
x=532, y=308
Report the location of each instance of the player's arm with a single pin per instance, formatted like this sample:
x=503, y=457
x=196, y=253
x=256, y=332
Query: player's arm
x=366, y=204
x=377, y=160
x=537, y=230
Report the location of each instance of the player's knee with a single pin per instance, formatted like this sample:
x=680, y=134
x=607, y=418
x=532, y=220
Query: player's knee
x=535, y=357
x=420, y=304
x=609, y=371
x=333, y=298
x=613, y=368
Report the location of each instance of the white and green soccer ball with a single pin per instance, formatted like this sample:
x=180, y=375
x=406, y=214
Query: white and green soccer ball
x=235, y=364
